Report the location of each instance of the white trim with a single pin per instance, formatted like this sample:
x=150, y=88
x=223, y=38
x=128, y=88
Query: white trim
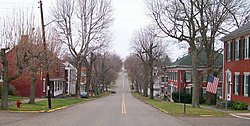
x=236, y=81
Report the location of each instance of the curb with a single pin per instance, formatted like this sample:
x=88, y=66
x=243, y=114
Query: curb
x=240, y=116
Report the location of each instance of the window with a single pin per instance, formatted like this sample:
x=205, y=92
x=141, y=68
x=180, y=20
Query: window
x=162, y=79
x=188, y=76
x=246, y=83
x=246, y=47
x=237, y=49
x=236, y=83
x=44, y=86
x=229, y=50
x=1, y=77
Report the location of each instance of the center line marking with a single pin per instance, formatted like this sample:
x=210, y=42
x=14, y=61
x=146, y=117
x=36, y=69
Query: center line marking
x=123, y=104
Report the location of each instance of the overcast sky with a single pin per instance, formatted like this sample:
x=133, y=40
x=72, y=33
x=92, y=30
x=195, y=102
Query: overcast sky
x=130, y=15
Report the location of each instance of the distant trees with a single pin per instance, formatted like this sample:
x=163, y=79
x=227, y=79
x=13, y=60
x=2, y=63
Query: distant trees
x=148, y=48
x=199, y=23
x=84, y=28
x=106, y=67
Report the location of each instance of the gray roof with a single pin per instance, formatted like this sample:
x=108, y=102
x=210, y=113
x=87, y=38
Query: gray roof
x=186, y=61
x=241, y=31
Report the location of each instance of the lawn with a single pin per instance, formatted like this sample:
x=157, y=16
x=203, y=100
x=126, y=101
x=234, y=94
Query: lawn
x=43, y=105
x=56, y=103
x=12, y=98
x=177, y=109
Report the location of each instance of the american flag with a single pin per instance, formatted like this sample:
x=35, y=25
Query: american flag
x=212, y=84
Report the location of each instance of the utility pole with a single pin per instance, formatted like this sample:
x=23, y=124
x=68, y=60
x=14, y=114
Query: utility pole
x=46, y=56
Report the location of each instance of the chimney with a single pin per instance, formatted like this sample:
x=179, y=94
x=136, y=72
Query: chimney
x=24, y=38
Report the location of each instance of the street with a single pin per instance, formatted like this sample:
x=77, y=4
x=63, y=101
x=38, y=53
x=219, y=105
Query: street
x=119, y=109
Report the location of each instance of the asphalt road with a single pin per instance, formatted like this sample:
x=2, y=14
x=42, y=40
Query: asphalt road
x=120, y=109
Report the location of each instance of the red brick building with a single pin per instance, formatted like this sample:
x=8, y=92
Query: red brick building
x=183, y=67
x=237, y=65
x=23, y=81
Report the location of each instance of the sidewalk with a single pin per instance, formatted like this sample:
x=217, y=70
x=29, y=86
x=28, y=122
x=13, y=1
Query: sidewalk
x=232, y=113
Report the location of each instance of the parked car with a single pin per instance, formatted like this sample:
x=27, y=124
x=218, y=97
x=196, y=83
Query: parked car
x=83, y=94
x=113, y=91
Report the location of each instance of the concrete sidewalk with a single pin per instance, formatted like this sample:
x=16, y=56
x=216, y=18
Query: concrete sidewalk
x=245, y=115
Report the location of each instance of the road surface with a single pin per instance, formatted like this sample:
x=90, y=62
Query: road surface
x=120, y=109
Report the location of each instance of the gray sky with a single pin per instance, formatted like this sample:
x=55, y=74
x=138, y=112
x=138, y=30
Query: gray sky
x=130, y=15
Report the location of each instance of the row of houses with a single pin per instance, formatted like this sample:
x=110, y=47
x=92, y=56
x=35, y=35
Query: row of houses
x=233, y=68
x=62, y=78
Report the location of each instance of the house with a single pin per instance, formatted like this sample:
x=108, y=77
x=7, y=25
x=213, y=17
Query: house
x=83, y=79
x=237, y=65
x=70, y=78
x=23, y=81
x=183, y=67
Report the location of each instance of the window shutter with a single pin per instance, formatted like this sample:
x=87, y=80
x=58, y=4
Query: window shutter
x=234, y=83
x=234, y=56
x=248, y=78
x=248, y=47
x=239, y=84
x=242, y=85
x=242, y=48
x=231, y=51
x=240, y=53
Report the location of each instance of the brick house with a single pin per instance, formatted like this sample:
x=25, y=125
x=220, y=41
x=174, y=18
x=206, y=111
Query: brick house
x=23, y=81
x=237, y=65
x=176, y=71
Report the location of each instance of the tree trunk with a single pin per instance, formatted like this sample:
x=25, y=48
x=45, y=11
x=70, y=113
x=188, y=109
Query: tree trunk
x=196, y=87
x=33, y=87
x=210, y=97
x=151, y=81
x=78, y=80
x=4, y=103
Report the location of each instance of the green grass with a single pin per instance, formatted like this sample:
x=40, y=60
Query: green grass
x=43, y=105
x=55, y=103
x=12, y=98
x=177, y=109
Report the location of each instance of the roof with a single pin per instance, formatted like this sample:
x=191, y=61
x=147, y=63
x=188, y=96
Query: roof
x=242, y=30
x=186, y=61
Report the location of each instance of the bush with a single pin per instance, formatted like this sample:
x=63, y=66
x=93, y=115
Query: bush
x=239, y=106
x=175, y=96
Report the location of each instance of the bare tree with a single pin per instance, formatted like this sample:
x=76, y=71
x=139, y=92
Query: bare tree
x=146, y=42
x=84, y=25
x=133, y=66
x=12, y=29
x=177, y=19
x=198, y=22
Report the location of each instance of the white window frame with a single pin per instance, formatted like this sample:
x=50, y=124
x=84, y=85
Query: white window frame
x=44, y=85
x=237, y=49
x=246, y=74
x=246, y=49
x=236, y=84
x=228, y=54
x=188, y=76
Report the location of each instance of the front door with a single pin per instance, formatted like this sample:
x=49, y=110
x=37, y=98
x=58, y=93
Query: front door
x=228, y=85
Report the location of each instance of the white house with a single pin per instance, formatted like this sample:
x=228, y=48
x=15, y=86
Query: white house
x=70, y=75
